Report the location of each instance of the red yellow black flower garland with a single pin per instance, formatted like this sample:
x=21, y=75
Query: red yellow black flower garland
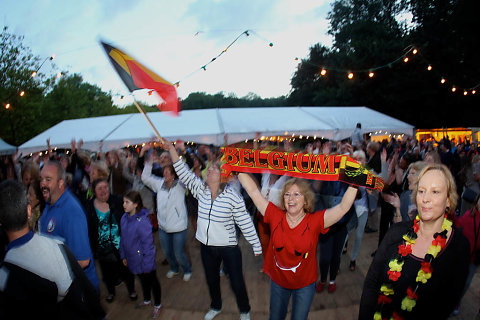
x=396, y=264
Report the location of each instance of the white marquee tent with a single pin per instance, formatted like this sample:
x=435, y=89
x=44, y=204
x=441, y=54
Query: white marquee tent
x=6, y=148
x=213, y=126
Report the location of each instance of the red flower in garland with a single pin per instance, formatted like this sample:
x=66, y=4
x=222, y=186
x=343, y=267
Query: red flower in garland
x=427, y=267
x=412, y=294
x=394, y=275
x=404, y=249
x=439, y=241
x=396, y=316
x=416, y=226
x=384, y=299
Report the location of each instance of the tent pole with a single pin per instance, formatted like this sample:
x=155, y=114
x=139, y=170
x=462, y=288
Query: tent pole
x=146, y=117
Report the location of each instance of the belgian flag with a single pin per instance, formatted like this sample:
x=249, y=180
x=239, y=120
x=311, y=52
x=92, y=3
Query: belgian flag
x=136, y=76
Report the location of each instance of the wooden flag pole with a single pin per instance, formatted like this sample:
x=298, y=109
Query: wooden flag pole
x=146, y=117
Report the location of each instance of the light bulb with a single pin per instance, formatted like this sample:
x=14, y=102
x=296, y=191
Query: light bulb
x=371, y=74
x=323, y=72
x=350, y=75
x=429, y=68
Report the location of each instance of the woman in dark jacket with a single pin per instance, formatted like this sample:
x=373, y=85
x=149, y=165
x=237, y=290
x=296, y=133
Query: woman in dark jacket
x=104, y=212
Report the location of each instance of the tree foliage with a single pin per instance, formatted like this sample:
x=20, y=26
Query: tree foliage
x=372, y=33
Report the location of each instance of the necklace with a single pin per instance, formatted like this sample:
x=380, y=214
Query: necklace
x=395, y=270
x=296, y=220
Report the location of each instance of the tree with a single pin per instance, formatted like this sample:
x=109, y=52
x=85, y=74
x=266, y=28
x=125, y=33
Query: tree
x=371, y=33
x=20, y=94
x=72, y=98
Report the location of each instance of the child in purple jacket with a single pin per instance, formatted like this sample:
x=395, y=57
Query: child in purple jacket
x=137, y=249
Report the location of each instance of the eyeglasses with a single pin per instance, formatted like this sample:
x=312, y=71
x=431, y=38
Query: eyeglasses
x=296, y=195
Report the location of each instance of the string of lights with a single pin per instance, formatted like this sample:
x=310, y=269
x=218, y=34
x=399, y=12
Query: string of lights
x=410, y=52
x=7, y=105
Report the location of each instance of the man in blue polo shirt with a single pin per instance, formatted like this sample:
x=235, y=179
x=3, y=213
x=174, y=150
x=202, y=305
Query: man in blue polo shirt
x=64, y=218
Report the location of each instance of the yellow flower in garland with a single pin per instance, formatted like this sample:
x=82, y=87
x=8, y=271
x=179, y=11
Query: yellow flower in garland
x=434, y=250
x=423, y=276
x=447, y=224
x=394, y=265
x=386, y=290
x=377, y=316
x=409, y=240
x=408, y=304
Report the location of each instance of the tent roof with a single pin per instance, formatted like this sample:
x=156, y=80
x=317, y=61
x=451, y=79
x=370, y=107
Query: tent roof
x=214, y=126
x=6, y=148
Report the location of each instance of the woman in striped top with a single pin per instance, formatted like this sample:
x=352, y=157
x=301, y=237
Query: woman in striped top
x=220, y=208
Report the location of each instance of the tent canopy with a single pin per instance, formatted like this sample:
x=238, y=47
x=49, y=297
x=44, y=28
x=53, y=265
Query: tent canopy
x=216, y=126
x=6, y=148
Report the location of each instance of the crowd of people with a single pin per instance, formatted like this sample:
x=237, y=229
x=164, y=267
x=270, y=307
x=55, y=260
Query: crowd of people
x=107, y=208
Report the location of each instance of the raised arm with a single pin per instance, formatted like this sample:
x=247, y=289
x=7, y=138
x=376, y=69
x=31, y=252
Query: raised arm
x=332, y=215
x=252, y=189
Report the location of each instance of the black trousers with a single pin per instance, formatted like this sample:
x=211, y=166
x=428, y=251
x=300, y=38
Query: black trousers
x=112, y=272
x=151, y=284
x=331, y=245
x=231, y=256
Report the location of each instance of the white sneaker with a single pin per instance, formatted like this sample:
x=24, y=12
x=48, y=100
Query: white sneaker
x=212, y=313
x=170, y=274
x=187, y=276
x=245, y=316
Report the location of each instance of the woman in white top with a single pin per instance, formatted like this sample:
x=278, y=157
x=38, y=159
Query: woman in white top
x=172, y=217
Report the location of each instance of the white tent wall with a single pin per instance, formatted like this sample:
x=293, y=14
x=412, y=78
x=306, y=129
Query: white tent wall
x=215, y=126
x=6, y=149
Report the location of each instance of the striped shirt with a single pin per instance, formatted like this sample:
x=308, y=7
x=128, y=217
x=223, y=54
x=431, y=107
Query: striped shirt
x=217, y=219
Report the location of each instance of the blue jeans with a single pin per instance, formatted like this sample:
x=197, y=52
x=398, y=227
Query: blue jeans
x=301, y=301
x=173, y=245
x=231, y=256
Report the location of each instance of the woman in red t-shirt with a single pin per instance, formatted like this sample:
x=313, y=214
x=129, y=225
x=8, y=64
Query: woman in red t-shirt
x=291, y=260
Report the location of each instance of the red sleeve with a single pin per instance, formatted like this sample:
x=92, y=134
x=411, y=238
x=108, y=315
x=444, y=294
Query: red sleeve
x=318, y=219
x=273, y=214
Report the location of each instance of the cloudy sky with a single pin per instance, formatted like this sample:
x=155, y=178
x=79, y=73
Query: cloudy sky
x=175, y=39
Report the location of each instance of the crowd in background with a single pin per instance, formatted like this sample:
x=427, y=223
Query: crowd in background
x=100, y=182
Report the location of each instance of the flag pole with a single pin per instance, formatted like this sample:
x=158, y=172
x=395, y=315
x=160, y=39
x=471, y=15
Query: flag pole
x=146, y=117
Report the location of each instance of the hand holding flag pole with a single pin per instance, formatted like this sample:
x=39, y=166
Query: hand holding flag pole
x=136, y=76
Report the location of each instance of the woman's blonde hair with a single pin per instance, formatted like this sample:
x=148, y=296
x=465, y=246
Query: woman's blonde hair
x=452, y=195
x=305, y=189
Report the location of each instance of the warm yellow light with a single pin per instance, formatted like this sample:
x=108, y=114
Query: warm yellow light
x=350, y=75
x=371, y=74
x=323, y=72
x=429, y=68
x=465, y=92
x=454, y=89
x=22, y=93
x=473, y=91
x=7, y=106
x=34, y=74
x=415, y=51
x=405, y=60
x=443, y=81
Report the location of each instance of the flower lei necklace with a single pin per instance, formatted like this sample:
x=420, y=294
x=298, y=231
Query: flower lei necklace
x=396, y=264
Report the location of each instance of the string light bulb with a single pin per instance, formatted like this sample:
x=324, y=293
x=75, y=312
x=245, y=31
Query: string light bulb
x=7, y=106
x=414, y=51
x=465, y=92
x=22, y=93
x=474, y=91
x=323, y=72
x=405, y=59
x=34, y=74
x=350, y=75
x=443, y=81
x=454, y=89
x=371, y=74
x=429, y=68
x=59, y=74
